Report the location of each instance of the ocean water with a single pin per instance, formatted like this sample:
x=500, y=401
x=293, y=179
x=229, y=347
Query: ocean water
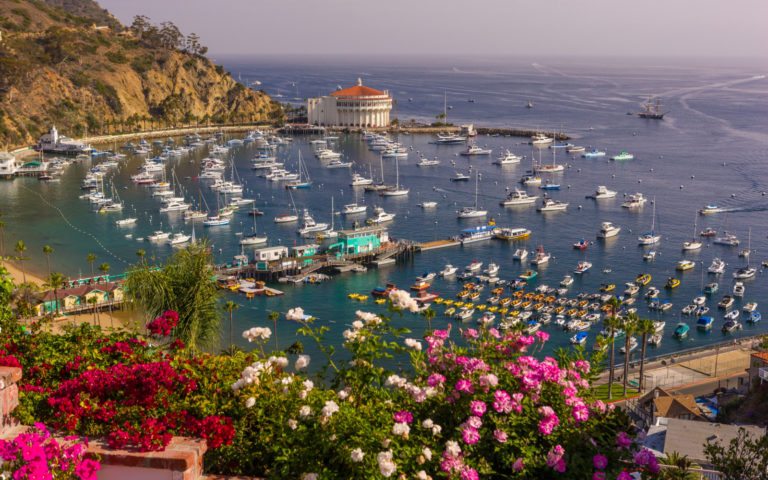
x=711, y=148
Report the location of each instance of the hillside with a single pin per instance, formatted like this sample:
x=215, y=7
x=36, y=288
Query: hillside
x=57, y=68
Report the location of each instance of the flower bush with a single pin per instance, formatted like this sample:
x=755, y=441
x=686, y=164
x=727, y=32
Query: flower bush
x=471, y=403
x=36, y=454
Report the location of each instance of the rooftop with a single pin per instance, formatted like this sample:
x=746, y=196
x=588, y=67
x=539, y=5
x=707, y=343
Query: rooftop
x=359, y=90
x=761, y=356
x=688, y=437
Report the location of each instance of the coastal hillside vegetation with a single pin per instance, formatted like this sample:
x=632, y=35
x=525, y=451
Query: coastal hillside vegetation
x=71, y=64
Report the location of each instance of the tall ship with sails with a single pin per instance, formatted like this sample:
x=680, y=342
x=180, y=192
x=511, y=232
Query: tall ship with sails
x=652, y=110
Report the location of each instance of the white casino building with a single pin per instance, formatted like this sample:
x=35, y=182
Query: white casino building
x=357, y=106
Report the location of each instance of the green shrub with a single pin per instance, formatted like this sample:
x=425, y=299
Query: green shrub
x=110, y=95
x=116, y=57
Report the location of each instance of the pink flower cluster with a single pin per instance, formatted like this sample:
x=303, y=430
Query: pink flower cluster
x=555, y=458
x=163, y=325
x=36, y=454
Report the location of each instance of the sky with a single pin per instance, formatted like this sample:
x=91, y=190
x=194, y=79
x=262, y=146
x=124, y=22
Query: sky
x=636, y=28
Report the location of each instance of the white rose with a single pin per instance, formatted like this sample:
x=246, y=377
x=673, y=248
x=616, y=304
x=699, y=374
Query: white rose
x=305, y=411
x=301, y=362
x=357, y=455
x=250, y=402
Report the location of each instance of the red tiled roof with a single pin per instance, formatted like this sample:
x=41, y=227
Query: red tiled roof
x=358, y=91
x=761, y=355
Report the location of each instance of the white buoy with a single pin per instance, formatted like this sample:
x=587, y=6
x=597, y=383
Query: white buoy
x=579, y=207
x=681, y=187
x=639, y=180
x=613, y=176
x=693, y=176
x=733, y=195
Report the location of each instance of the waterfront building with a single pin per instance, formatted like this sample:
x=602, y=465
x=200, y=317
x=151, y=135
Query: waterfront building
x=8, y=165
x=77, y=298
x=758, y=368
x=356, y=106
x=52, y=142
x=305, y=252
x=361, y=240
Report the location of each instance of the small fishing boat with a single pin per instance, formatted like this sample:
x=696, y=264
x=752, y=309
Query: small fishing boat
x=650, y=255
x=528, y=275
x=652, y=292
x=726, y=302
x=711, y=288
x=632, y=345
x=709, y=209
x=689, y=309
x=672, y=282
x=684, y=265
x=753, y=317
x=624, y=155
x=681, y=331
x=541, y=256
x=582, y=267
x=448, y=271
x=704, y=323
x=636, y=200
x=731, y=325
x=474, y=266
x=643, y=279
x=566, y=281
x=582, y=244
x=655, y=339
x=607, y=287
x=580, y=338
x=125, y=221
x=593, y=154
x=738, y=289
x=732, y=315
x=708, y=232
x=749, y=307
x=717, y=266
x=520, y=254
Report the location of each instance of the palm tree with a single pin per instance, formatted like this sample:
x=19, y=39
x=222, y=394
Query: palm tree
x=140, y=254
x=48, y=250
x=429, y=314
x=274, y=316
x=185, y=285
x=90, y=259
x=55, y=281
x=104, y=268
x=681, y=467
x=630, y=327
x=612, y=323
x=230, y=307
x=93, y=301
x=20, y=249
x=2, y=238
x=646, y=327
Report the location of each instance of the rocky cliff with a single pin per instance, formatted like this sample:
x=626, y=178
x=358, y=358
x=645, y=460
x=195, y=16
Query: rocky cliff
x=96, y=75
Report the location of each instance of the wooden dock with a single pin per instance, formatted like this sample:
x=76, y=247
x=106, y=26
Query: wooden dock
x=437, y=244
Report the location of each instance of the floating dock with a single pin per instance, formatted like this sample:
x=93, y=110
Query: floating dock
x=437, y=244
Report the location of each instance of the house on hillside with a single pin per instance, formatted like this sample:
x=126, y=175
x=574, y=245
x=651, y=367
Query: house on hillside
x=688, y=437
x=758, y=368
x=661, y=403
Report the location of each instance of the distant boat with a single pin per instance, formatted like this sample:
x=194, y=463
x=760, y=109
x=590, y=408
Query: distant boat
x=651, y=110
x=529, y=104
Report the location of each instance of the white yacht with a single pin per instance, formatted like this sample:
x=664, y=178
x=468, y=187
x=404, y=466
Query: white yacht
x=337, y=163
x=353, y=208
x=745, y=272
x=448, y=270
x=425, y=162
x=607, y=229
x=475, y=150
x=541, y=257
x=125, y=221
x=636, y=200
x=309, y=224
x=492, y=269
x=158, y=235
x=508, y=158
x=728, y=239
x=549, y=205
x=179, y=238
x=428, y=204
x=175, y=206
x=380, y=216
x=519, y=197
x=603, y=192
x=540, y=139
x=520, y=254
x=359, y=180
x=286, y=218
x=738, y=289
x=531, y=180
x=717, y=266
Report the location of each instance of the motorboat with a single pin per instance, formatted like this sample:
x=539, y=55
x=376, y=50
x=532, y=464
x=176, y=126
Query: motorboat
x=689, y=309
x=475, y=266
x=702, y=310
x=650, y=255
x=567, y=281
x=528, y=275
x=593, y=154
x=449, y=138
x=704, y=323
x=425, y=162
x=215, y=221
x=631, y=290
x=286, y=218
x=672, y=282
x=125, y=221
x=541, y=256
x=635, y=200
x=632, y=345
x=710, y=209
x=603, y=192
x=520, y=254
x=381, y=216
x=699, y=300
x=681, y=331
x=478, y=233
x=574, y=149
x=738, y=289
x=475, y=150
x=684, y=265
x=359, y=180
x=353, y=208
x=717, y=266
x=175, y=207
x=728, y=239
x=655, y=340
x=652, y=292
x=540, y=139
x=508, y=158
x=732, y=315
x=582, y=244
x=580, y=338
x=448, y=271
x=179, y=238
x=731, y=325
x=607, y=230
x=428, y=204
x=708, y=232
x=492, y=270
x=658, y=326
x=624, y=155
x=582, y=267
x=158, y=235
x=710, y=288
x=753, y=317
x=309, y=225
x=338, y=163
x=726, y=302
x=512, y=234
x=643, y=279
x=745, y=272
x=750, y=306
x=607, y=287
x=464, y=314
x=460, y=177
x=519, y=197
x=550, y=205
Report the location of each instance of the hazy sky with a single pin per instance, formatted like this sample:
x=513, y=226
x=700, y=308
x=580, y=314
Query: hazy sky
x=694, y=28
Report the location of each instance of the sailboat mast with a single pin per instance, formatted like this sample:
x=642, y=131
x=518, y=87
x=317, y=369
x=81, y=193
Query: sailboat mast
x=477, y=175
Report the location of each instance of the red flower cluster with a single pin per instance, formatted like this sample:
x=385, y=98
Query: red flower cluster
x=8, y=360
x=114, y=397
x=162, y=326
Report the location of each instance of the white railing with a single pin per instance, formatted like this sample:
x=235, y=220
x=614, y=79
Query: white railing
x=763, y=374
